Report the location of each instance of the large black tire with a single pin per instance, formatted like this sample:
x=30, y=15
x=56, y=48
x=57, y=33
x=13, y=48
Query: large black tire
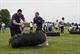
x=53, y=33
x=28, y=39
x=50, y=29
x=74, y=32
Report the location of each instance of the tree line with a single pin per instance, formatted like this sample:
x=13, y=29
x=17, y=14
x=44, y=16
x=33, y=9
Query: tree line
x=5, y=16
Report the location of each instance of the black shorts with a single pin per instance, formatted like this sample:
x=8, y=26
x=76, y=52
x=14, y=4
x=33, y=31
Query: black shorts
x=31, y=28
x=14, y=31
x=56, y=28
x=62, y=29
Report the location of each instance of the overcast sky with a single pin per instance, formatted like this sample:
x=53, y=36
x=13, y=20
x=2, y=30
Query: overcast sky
x=50, y=10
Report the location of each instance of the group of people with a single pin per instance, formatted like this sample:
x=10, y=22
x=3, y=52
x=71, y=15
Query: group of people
x=15, y=23
x=74, y=27
x=59, y=25
x=55, y=26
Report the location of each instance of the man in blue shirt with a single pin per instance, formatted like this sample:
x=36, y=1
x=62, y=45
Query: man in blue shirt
x=15, y=22
x=38, y=21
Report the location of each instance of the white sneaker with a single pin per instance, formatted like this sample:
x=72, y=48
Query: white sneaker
x=47, y=44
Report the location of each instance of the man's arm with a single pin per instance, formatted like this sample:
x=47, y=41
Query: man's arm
x=24, y=21
x=14, y=22
x=34, y=23
x=42, y=21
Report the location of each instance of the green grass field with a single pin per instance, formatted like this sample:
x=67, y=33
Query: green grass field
x=64, y=44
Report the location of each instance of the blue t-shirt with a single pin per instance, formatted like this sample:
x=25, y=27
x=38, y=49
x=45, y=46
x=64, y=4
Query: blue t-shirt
x=38, y=21
x=17, y=18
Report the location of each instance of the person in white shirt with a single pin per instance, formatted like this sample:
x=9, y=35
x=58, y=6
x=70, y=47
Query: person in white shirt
x=72, y=27
x=49, y=27
x=56, y=24
x=31, y=26
x=3, y=27
x=61, y=25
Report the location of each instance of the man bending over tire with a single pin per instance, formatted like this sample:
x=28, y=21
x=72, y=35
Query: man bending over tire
x=15, y=22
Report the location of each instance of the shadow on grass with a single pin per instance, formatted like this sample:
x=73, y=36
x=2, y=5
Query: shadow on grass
x=27, y=48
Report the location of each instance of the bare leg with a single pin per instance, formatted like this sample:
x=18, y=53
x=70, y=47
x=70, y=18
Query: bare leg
x=46, y=42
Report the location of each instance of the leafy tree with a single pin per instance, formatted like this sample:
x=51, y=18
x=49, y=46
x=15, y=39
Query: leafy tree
x=5, y=16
